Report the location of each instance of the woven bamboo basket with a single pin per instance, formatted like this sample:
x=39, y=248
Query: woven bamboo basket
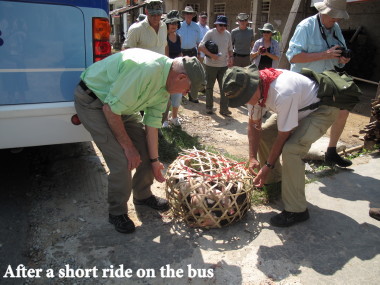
x=207, y=190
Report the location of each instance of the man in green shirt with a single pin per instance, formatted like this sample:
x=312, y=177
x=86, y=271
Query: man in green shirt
x=108, y=100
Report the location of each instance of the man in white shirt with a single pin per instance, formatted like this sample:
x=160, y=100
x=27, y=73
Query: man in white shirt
x=151, y=32
x=288, y=132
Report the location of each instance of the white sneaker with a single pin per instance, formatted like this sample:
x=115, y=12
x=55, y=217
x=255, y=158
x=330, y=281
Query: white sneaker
x=165, y=124
x=175, y=122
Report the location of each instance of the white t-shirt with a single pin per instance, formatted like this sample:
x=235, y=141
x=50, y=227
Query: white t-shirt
x=287, y=94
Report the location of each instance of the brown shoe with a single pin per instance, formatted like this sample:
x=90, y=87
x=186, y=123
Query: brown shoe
x=375, y=213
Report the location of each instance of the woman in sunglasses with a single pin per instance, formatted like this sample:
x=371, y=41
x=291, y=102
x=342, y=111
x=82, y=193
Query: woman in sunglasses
x=265, y=52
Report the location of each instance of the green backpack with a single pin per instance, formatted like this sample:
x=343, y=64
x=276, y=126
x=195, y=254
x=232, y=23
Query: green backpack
x=336, y=89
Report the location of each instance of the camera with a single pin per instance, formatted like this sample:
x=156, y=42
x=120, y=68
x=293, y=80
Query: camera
x=262, y=50
x=347, y=53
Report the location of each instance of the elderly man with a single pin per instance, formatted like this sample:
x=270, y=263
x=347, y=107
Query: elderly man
x=202, y=23
x=242, y=40
x=217, y=64
x=315, y=45
x=288, y=131
x=149, y=33
x=108, y=100
x=190, y=38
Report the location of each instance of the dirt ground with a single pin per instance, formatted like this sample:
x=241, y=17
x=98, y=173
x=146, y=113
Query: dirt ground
x=53, y=211
x=229, y=134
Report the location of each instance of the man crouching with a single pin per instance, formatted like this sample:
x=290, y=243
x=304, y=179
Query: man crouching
x=108, y=100
x=288, y=131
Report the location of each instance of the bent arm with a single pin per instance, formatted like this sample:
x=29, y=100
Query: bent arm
x=274, y=154
x=152, y=140
x=304, y=57
x=117, y=127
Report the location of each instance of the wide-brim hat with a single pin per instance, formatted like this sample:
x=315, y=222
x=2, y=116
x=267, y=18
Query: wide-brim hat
x=243, y=17
x=221, y=19
x=195, y=71
x=239, y=84
x=188, y=10
x=141, y=17
x=333, y=8
x=173, y=17
x=154, y=7
x=268, y=27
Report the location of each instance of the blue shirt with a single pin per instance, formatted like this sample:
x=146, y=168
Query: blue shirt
x=307, y=38
x=190, y=35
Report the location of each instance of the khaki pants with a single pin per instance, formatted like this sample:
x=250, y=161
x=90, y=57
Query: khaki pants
x=120, y=181
x=212, y=74
x=296, y=147
x=242, y=61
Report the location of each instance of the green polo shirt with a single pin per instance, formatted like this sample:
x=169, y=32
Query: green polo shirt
x=131, y=81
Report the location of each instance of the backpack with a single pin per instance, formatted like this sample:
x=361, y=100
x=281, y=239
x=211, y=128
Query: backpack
x=336, y=89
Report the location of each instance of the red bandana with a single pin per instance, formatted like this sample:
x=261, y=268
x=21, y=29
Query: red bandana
x=267, y=75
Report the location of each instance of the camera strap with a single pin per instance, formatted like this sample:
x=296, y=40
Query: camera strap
x=323, y=33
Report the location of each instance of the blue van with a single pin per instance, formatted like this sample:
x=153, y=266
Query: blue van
x=44, y=47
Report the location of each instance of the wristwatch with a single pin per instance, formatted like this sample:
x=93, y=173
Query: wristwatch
x=270, y=166
x=153, y=159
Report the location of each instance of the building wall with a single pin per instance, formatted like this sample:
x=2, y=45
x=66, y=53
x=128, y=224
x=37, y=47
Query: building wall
x=365, y=14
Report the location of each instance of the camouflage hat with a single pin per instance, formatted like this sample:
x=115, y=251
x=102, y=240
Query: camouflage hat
x=173, y=17
x=195, y=72
x=239, y=84
x=154, y=7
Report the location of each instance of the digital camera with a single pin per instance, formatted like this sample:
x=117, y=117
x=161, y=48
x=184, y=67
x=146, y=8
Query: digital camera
x=347, y=53
x=262, y=49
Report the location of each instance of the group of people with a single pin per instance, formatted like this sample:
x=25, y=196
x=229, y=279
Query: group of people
x=163, y=60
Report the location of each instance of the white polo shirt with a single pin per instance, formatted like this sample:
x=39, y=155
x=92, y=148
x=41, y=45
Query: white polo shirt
x=287, y=94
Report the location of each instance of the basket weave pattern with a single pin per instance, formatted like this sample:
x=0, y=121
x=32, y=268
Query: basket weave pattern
x=207, y=190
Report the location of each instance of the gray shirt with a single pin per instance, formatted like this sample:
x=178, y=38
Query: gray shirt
x=241, y=40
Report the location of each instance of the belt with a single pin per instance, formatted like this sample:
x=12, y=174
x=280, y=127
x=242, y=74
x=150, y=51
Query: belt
x=191, y=49
x=240, y=55
x=87, y=90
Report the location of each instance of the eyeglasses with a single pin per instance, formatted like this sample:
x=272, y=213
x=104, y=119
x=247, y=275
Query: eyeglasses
x=243, y=20
x=266, y=32
x=222, y=25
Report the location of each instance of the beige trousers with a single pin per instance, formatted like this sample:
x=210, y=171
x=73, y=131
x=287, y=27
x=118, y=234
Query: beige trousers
x=292, y=170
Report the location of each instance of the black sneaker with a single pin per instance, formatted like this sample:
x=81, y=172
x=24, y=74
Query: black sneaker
x=287, y=219
x=226, y=113
x=333, y=158
x=154, y=202
x=194, y=100
x=122, y=223
x=375, y=213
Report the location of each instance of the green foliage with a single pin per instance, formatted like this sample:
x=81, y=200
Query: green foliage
x=173, y=141
x=277, y=37
x=267, y=194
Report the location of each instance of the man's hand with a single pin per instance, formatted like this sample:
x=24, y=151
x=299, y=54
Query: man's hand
x=261, y=176
x=344, y=60
x=253, y=165
x=333, y=52
x=133, y=157
x=214, y=56
x=157, y=168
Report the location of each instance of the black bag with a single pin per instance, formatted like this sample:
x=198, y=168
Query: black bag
x=336, y=89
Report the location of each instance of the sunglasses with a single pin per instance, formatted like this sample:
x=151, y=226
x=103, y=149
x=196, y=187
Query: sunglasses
x=222, y=25
x=266, y=32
